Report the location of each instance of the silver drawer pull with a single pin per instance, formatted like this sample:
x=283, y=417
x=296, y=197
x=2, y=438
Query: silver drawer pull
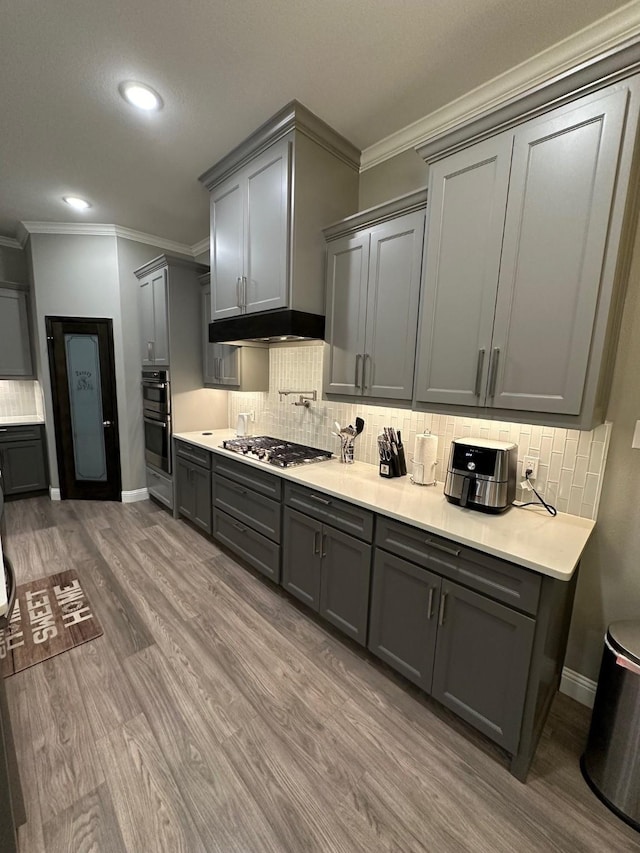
x=455, y=552
x=443, y=601
x=320, y=500
x=239, y=527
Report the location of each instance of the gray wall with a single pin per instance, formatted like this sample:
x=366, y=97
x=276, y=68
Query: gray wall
x=13, y=265
x=399, y=175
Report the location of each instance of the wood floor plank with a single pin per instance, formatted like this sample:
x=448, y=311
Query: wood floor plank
x=148, y=804
x=223, y=809
x=66, y=763
x=88, y=826
x=105, y=688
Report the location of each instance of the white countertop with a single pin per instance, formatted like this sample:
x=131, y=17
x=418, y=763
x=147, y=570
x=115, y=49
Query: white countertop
x=529, y=537
x=20, y=420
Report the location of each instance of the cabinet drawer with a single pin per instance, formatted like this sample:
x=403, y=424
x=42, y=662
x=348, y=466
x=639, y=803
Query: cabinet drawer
x=496, y=578
x=193, y=453
x=20, y=433
x=263, y=482
x=160, y=487
x=258, y=512
x=257, y=550
x=345, y=516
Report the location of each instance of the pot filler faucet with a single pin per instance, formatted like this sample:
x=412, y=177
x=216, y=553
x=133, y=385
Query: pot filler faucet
x=305, y=397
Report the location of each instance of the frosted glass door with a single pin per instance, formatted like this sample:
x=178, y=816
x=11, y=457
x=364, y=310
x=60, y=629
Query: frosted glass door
x=85, y=397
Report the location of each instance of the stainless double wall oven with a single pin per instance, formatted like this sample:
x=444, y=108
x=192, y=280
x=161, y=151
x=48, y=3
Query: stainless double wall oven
x=156, y=409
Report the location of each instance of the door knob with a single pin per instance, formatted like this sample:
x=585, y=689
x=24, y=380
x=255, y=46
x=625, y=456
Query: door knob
x=107, y=423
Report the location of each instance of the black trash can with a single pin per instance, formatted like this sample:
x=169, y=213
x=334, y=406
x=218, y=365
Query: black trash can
x=611, y=762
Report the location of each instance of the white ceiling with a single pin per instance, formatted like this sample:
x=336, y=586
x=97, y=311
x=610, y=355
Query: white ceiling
x=368, y=67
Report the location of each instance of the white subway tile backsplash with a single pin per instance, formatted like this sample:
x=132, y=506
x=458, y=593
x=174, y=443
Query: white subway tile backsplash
x=20, y=398
x=571, y=462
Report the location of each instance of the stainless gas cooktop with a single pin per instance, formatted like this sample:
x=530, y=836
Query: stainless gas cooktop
x=275, y=451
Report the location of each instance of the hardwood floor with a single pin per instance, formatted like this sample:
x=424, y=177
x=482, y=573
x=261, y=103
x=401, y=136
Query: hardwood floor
x=215, y=715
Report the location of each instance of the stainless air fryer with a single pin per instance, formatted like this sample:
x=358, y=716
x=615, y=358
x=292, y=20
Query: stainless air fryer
x=481, y=474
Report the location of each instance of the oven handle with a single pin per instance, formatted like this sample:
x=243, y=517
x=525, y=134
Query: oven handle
x=147, y=383
x=163, y=424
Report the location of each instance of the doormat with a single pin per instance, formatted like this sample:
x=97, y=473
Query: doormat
x=51, y=616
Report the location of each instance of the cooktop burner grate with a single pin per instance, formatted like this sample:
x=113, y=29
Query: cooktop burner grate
x=275, y=451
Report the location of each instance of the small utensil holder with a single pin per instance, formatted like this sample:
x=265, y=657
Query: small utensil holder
x=347, y=449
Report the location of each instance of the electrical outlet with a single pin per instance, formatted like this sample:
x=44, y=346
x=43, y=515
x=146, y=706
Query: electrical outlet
x=530, y=463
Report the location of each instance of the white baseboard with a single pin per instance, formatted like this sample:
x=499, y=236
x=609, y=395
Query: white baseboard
x=54, y=494
x=579, y=687
x=135, y=495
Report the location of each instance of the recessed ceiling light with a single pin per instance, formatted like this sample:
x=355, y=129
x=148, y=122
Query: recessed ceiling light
x=140, y=96
x=76, y=203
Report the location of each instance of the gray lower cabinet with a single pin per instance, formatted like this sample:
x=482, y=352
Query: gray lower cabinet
x=373, y=282
x=23, y=460
x=193, y=492
x=329, y=571
x=15, y=341
x=247, y=513
x=471, y=653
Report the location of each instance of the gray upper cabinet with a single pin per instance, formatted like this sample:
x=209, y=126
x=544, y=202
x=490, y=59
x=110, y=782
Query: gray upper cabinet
x=373, y=283
x=270, y=198
x=249, y=236
x=519, y=296
x=15, y=342
x=154, y=324
x=467, y=205
x=238, y=368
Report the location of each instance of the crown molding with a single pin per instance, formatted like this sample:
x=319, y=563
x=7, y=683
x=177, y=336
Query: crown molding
x=606, y=34
x=199, y=248
x=10, y=242
x=98, y=229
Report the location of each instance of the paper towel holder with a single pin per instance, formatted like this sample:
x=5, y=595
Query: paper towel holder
x=422, y=477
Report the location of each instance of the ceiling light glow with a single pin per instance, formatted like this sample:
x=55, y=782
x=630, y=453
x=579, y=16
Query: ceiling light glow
x=76, y=203
x=140, y=96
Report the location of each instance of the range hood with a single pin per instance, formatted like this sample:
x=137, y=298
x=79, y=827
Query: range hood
x=268, y=326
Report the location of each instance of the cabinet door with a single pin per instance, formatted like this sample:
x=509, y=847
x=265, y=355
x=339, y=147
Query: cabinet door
x=228, y=364
x=160, y=318
x=227, y=248
x=147, y=325
x=185, y=492
x=15, y=345
x=201, y=485
x=301, y=557
x=560, y=194
x=347, y=272
x=395, y=262
x=482, y=662
x=23, y=467
x=466, y=213
x=344, y=586
x=266, y=264
x=403, y=617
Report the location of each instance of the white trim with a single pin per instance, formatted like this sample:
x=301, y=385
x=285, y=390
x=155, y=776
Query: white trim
x=135, y=495
x=199, y=248
x=99, y=229
x=578, y=686
x=54, y=494
x=602, y=35
x=10, y=242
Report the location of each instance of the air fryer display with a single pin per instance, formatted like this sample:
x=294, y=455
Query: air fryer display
x=475, y=460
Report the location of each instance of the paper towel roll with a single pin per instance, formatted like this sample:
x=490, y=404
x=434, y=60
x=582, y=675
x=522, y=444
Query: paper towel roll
x=425, y=459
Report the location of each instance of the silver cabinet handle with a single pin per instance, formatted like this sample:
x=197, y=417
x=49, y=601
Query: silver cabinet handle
x=239, y=291
x=316, y=543
x=320, y=500
x=149, y=351
x=216, y=368
x=495, y=357
x=366, y=357
x=324, y=546
x=443, y=601
x=479, y=371
x=430, y=603
x=455, y=552
x=358, y=357
x=244, y=292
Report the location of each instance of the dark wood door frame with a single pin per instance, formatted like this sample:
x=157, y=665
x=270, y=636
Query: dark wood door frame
x=111, y=489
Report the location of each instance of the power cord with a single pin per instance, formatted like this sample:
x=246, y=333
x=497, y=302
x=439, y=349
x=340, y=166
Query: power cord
x=550, y=509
